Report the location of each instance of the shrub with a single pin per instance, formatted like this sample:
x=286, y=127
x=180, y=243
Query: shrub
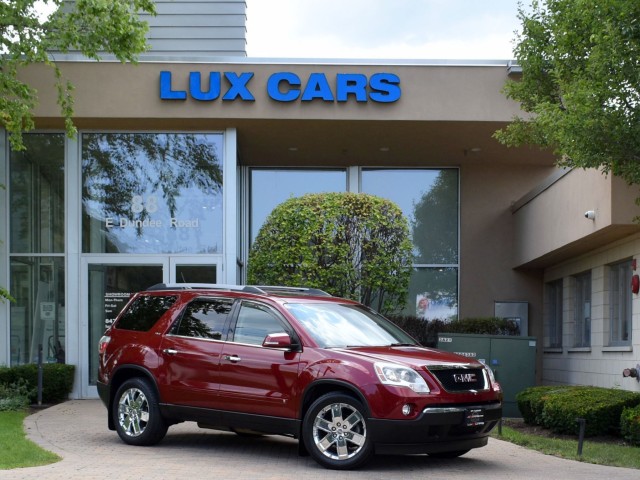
x=531, y=402
x=558, y=408
x=57, y=380
x=15, y=396
x=352, y=245
x=630, y=425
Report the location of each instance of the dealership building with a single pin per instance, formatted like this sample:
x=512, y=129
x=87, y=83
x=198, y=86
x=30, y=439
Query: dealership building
x=179, y=160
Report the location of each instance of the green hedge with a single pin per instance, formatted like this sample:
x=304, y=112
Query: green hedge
x=558, y=407
x=57, y=380
x=426, y=331
x=630, y=425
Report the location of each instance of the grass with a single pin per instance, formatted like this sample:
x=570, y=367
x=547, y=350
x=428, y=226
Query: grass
x=592, y=452
x=16, y=450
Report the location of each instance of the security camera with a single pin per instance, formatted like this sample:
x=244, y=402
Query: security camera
x=590, y=214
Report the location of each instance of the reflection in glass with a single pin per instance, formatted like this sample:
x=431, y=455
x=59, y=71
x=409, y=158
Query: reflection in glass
x=145, y=312
x=269, y=188
x=36, y=186
x=429, y=200
x=38, y=314
x=110, y=287
x=152, y=193
x=433, y=294
x=204, y=319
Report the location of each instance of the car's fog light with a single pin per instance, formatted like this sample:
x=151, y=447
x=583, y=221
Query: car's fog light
x=407, y=409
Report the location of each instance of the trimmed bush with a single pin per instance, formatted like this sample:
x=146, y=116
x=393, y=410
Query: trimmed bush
x=57, y=380
x=558, y=407
x=15, y=397
x=352, y=245
x=531, y=402
x=630, y=425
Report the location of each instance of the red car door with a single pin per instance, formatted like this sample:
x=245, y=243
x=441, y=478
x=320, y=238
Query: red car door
x=256, y=379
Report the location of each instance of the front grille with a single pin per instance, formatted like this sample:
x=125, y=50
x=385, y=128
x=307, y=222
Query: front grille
x=459, y=379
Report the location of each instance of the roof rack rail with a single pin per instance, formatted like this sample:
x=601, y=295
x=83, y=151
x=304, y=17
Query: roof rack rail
x=205, y=286
x=292, y=290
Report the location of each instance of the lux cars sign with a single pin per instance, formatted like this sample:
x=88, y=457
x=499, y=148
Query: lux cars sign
x=285, y=87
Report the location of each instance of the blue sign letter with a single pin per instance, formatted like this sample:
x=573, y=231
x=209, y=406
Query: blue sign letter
x=273, y=86
x=351, y=83
x=165, y=88
x=238, y=86
x=385, y=87
x=317, y=87
x=195, y=86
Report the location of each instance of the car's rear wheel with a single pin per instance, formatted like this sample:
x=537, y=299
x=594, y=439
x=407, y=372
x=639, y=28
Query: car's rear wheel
x=136, y=413
x=335, y=433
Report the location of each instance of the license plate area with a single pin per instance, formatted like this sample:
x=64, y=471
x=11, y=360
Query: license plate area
x=474, y=417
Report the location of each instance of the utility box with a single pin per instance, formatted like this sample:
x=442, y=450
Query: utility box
x=512, y=359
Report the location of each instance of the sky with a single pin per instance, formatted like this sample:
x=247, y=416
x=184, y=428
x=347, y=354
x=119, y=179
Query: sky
x=382, y=29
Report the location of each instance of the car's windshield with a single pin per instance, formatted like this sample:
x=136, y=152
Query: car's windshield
x=345, y=325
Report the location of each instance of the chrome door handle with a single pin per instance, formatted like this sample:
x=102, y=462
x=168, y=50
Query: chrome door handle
x=169, y=351
x=232, y=358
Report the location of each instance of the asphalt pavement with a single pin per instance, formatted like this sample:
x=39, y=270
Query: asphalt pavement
x=77, y=431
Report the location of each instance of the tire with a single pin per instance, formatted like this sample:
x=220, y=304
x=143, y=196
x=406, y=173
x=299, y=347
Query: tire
x=334, y=430
x=454, y=454
x=136, y=414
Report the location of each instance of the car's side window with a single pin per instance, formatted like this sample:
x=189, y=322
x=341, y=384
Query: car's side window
x=254, y=323
x=204, y=318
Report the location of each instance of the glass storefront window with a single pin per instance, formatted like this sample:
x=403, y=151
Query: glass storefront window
x=37, y=245
x=38, y=314
x=429, y=200
x=36, y=185
x=271, y=187
x=152, y=193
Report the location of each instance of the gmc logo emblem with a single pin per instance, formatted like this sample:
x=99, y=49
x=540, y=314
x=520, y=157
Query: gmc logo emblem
x=464, y=377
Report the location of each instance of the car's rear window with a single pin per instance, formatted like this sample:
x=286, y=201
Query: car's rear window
x=144, y=312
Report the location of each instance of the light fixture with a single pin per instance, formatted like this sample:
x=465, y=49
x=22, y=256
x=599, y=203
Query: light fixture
x=590, y=214
x=384, y=149
x=293, y=149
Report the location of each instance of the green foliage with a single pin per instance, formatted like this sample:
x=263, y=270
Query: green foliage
x=630, y=425
x=531, y=402
x=351, y=245
x=57, y=380
x=557, y=408
x=580, y=64
x=426, y=332
x=88, y=26
x=15, y=396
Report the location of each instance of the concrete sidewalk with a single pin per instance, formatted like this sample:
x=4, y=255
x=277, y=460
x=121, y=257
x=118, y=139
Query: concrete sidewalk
x=77, y=431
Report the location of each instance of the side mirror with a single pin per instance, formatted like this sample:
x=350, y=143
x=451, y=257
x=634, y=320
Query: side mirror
x=277, y=340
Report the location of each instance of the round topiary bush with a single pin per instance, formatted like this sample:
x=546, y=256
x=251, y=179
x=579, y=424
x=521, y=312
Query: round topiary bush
x=351, y=245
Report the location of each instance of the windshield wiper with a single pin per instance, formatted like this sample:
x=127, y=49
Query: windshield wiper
x=403, y=345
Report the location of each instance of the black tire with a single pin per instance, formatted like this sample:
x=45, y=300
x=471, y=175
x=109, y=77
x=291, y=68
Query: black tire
x=136, y=414
x=453, y=454
x=334, y=430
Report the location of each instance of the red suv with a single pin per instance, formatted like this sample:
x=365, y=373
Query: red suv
x=330, y=372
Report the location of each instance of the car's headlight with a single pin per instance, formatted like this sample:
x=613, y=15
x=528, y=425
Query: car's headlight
x=401, y=376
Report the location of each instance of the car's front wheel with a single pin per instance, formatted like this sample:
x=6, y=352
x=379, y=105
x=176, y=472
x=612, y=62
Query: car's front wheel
x=334, y=430
x=136, y=413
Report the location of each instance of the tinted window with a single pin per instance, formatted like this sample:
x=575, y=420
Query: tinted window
x=255, y=323
x=204, y=318
x=144, y=312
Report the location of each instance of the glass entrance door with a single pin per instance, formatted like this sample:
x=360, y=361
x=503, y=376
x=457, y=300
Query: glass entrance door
x=110, y=282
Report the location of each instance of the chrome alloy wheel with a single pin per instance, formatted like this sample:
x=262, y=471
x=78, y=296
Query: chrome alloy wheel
x=133, y=412
x=339, y=431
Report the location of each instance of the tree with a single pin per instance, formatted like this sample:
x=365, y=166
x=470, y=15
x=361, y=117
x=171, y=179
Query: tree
x=87, y=26
x=351, y=245
x=580, y=81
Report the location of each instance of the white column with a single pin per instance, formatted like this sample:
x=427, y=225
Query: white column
x=231, y=210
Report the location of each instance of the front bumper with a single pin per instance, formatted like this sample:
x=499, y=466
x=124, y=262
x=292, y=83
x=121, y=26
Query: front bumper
x=436, y=430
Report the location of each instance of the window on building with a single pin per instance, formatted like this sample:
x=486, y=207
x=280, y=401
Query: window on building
x=270, y=187
x=152, y=193
x=620, y=304
x=36, y=190
x=429, y=200
x=553, y=325
x=582, y=310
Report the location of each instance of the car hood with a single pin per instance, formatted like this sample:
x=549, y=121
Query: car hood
x=414, y=356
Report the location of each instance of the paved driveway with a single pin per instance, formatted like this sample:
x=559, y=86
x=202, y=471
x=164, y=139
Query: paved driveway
x=77, y=431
